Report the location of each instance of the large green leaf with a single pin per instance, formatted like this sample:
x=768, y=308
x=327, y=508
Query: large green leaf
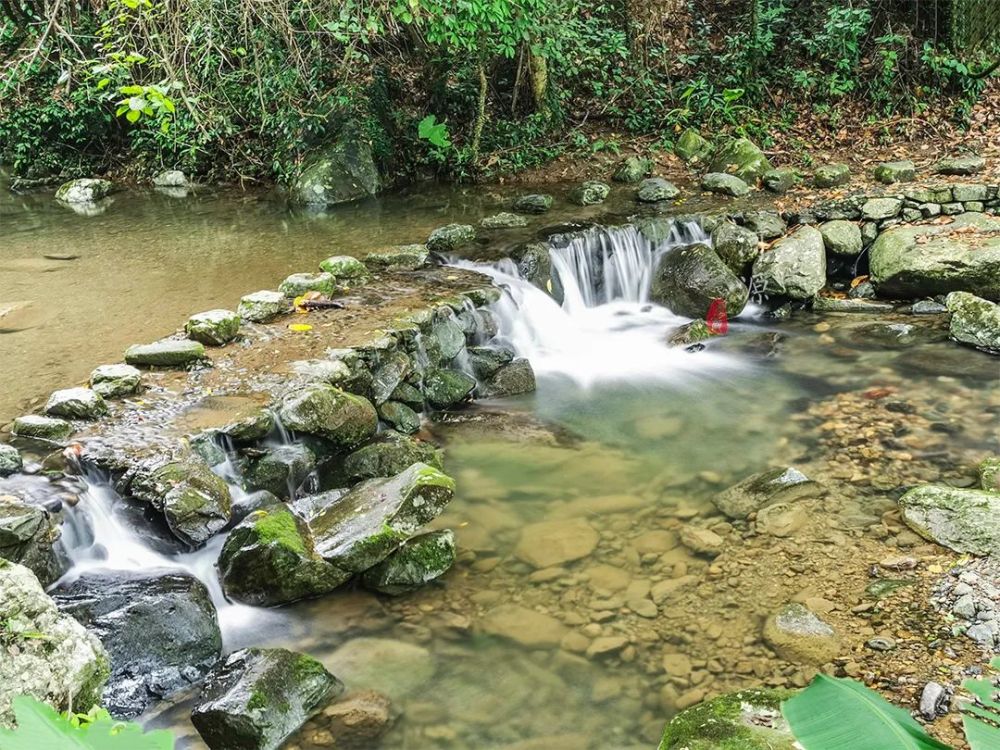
x=841, y=714
x=981, y=717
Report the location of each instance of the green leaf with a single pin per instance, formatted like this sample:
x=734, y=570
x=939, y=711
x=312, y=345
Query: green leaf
x=435, y=132
x=981, y=715
x=40, y=727
x=841, y=714
x=133, y=115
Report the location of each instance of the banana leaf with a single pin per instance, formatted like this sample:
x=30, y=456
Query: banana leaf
x=981, y=715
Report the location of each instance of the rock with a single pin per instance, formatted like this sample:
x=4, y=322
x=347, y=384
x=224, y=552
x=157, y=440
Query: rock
x=486, y=360
x=10, y=463
x=989, y=474
x=964, y=520
x=534, y=263
x=447, y=339
x=445, y=387
x=590, y=193
x=850, y=305
x=525, y=626
x=767, y=224
x=549, y=543
x=171, y=178
x=513, y=379
x=42, y=428
x=418, y=561
x=797, y=635
x=84, y=190
x=974, y=321
x=28, y=534
x=344, y=268
x=841, y=237
x=965, y=193
x=632, y=169
x=300, y=283
x=115, y=381
x=794, y=267
x=342, y=418
x=961, y=165
x=503, y=220
x=391, y=370
x=214, y=327
x=76, y=403
x=724, y=184
x=877, y=209
x=895, y=171
x=655, y=189
x=249, y=425
x=934, y=700
x=692, y=147
x=263, y=306
x=388, y=455
x=832, y=175
x=782, y=519
x=166, y=353
x=736, y=245
x=400, y=416
x=607, y=645
x=391, y=667
x=358, y=720
x=46, y=654
x=399, y=258
x=690, y=334
x=281, y=470
x=765, y=488
x=701, y=541
x=339, y=173
x=368, y=523
x=926, y=260
x=688, y=279
x=259, y=697
x=450, y=238
x=740, y=157
x=159, y=628
x=780, y=180
x=745, y=720
x=537, y=203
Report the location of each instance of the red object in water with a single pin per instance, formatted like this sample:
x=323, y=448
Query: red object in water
x=716, y=318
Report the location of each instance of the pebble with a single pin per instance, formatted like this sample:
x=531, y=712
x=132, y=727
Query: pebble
x=881, y=643
x=606, y=645
x=934, y=701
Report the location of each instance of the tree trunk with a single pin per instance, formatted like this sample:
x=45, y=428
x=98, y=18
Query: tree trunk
x=477, y=131
x=540, y=83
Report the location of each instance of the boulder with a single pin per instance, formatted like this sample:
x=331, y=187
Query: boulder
x=534, y=263
x=737, y=246
x=447, y=339
x=724, y=184
x=655, y=189
x=344, y=268
x=841, y=237
x=10, y=462
x=832, y=175
x=446, y=387
x=537, y=203
x=794, y=267
x=548, y=543
x=76, y=403
x=37, y=427
x=418, y=561
x=632, y=169
x=878, y=209
x=388, y=455
x=766, y=488
x=342, y=418
x=797, y=635
x=159, y=628
x=748, y=720
x=115, y=381
x=400, y=417
x=257, y=698
x=263, y=306
x=964, y=520
x=46, y=654
x=974, y=321
x=780, y=180
x=368, y=523
x=767, y=224
x=590, y=193
x=166, y=353
x=342, y=172
x=740, y=157
x=503, y=220
x=930, y=259
x=486, y=360
x=689, y=278
x=249, y=425
x=451, y=238
x=281, y=470
x=394, y=668
x=513, y=379
x=270, y=558
x=300, y=283
x=895, y=171
x=28, y=534
x=213, y=327
x=85, y=190
x=989, y=474
x=690, y=334
x=171, y=178
x=692, y=147
x=399, y=258
x=961, y=165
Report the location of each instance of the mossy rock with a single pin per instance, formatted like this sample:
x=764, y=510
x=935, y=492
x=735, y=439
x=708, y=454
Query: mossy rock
x=339, y=173
x=400, y=416
x=400, y=258
x=974, y=321
x=656, y=189
x=417, y=562
x=344, y=268
x=963, y=520
x=346, y=420
x=76, y=403
x=115, y=381
x=745, y=720
x=389, y=454
x=632, y=169
x=213, y=327
x=590, y=193
x=10, y=460
x=300, y=283
x=451, y=238
x=445, y=387
x=166, y=353
x=724, y=184
x=690, y=277
x=740, y=157
x=503, y=220
x=535, y=203
x=692, y=147
x=47, y=429
x=281, y=470
x=263, y=306
x=832, y=175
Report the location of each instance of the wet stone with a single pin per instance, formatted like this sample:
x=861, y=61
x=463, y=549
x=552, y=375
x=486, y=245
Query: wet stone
x=213, y=327
x=450, y=238
x=590, y=193
x=417, y=562
x=76, y=403
x=42, y=428
x=263, y=306
x=166, y=353
x=537, y=203
x=656, y=189
x=524, y=626
x=10, y=460
x=503, y=220
x=400, y=258
x=400, y=416
x=549, y=543
x=115, y=381
x=798, y=635
x=281, y=470
x=724, y=184
x=344, y=268
x=757, y=491
x=300, y=283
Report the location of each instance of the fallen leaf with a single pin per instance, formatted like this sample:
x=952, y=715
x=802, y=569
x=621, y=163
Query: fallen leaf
x=300, y=327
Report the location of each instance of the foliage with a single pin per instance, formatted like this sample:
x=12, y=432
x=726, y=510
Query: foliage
x=40, y=727
x=981, y=714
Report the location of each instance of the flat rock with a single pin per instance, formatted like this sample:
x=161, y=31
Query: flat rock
x=964, y=520
x=524, y=626
x=765, y=488
x=549, y=543
x=796, y=634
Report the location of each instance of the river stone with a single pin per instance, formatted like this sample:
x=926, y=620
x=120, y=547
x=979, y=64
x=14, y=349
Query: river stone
x=794, y=267
x=692, y=147
x=782, y=519
x=28, y=534
x=757, y=491
x=42, y=428
x=259, y=697
x=534, y=264
x=451, y=238
x=989, y=474
x=503, y=220
x=895, y=171
x=486, y=360
x=964, y=193
x=741, y=157
x=46, y=654
x=690, y=333
x=10, y=460
x=797, y=635
x=537, y=203
x=388, y=455
x=358, y=720
x=390, y=667
x=213, y=327
x=737, y=246
x=281, y=470
x=974, y=321
x=171, y=178
x=390, y=372
x=344, y=268
x=590, y=193
x=930, y=259
x=964, y=520
x=346, y=420
x=961, y=165
x=341, y=172
x=525, y=626
x=418, y=561
x=548, y=543
x=270, y=558
x=376, y=516
x=745, y=720
x=780, y=180
x=447, y=337
x=632, y=169
x=841, y=237
x=877, y=209
x=400, y=416
x=399, y=258
x=654, y=189
x=85, y=190
x=249, y=425
x=688, y=279
x=724, y=184
x=767, y=224
x=76, y=403
x=446, y=387
x=159, y=628
x=166, y=353
x=513, y=379
x=832, y=175
x=115, y=381
x=263, y=306
x=300, y=283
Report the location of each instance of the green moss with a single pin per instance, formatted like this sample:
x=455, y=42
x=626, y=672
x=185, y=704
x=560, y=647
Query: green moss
x=718, y=724
x=431, y=477
x=257, y=700
x=279, y=527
